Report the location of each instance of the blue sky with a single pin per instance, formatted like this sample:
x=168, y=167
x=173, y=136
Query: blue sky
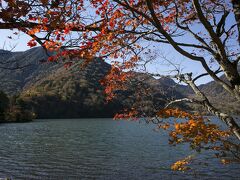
x=19, y=42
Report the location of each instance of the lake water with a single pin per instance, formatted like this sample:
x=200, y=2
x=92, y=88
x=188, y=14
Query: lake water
x=96, y=149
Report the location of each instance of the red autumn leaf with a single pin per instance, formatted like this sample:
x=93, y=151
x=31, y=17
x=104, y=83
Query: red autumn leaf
x=32, y=43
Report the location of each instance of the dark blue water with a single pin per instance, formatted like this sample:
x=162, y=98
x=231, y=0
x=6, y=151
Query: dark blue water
x=97, y=149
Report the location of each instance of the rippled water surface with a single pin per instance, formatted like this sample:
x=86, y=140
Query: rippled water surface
x=96, y=149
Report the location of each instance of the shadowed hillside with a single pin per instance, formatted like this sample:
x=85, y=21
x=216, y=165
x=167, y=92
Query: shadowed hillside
x=52, y=91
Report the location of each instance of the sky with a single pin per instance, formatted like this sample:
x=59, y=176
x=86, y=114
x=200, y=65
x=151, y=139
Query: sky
x=19, y=43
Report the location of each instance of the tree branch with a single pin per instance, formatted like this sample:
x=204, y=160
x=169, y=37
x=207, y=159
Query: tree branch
x=179, y=101
x=206, y=74
x=210, y=30
x=227, y=119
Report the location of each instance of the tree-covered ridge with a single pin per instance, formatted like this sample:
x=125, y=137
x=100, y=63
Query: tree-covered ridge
x=77, y=91
x=13, y=109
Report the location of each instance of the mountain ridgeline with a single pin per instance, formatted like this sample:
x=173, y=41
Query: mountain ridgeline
x=52, y=91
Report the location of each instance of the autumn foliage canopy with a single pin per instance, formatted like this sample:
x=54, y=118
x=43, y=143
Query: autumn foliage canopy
x=122, y=31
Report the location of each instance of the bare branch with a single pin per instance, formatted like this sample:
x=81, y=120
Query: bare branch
x=206, y=74
x=179, y=101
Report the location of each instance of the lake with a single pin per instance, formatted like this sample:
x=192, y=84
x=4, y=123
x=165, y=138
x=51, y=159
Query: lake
x=97, y=149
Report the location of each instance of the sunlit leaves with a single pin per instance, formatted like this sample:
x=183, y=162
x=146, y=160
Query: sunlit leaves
x=32, y=43
x=182, y=165
x=200, y=133
x=114, y=81
x=127, y=114
x=193, y=129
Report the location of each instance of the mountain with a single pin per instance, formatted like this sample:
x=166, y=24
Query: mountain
x=220, y=97
x=13, y=81
x=53, y=91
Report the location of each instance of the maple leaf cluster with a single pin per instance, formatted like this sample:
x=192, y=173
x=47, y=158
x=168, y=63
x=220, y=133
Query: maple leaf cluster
x=118, y=31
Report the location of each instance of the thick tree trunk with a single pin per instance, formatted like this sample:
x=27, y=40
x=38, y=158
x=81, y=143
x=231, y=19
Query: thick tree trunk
x=231, y=72
x=236, y=10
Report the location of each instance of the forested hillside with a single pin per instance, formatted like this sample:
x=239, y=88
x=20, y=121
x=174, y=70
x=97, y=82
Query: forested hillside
x=52, y=91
